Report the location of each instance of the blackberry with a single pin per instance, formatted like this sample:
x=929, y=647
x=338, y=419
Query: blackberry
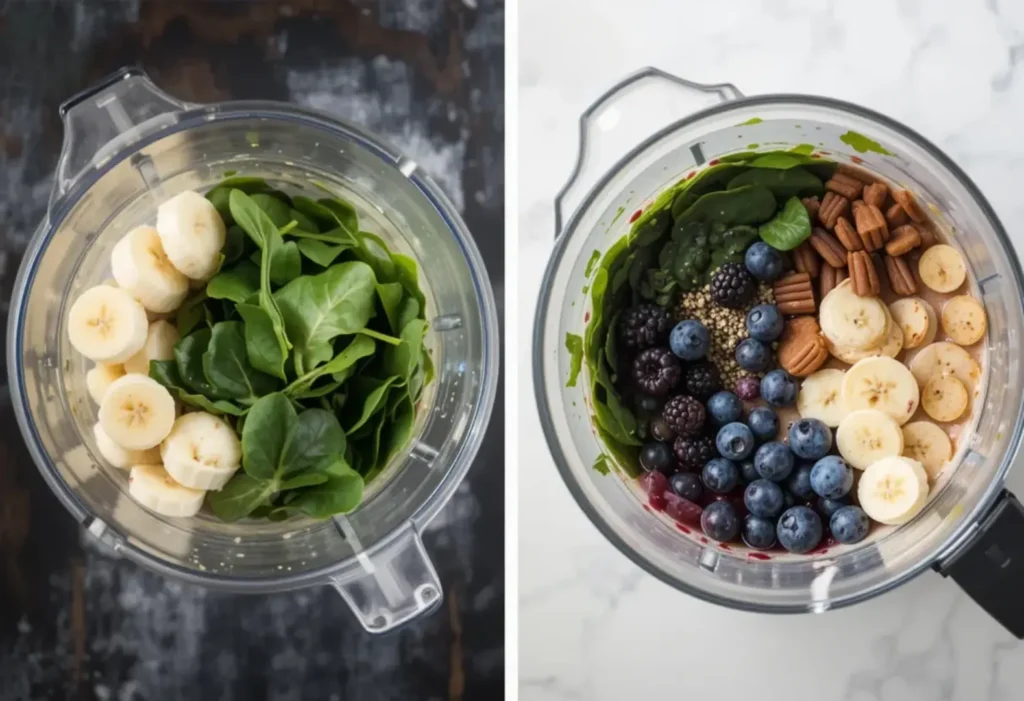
x=693, y=452
x=657, y=371
x=684, y=415
x=701, y=380
x=644, y=326
x=732, y=286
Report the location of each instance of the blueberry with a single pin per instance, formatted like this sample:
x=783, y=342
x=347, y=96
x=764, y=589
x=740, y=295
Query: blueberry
x=773, y=461
x=724, y=407
x=764, y=323
x=753, y=355
x=764, y=262
x=720, y=475
x=789, y=499
x=687, y=485
x=827, y=507
x=831, y=477
x=849, y=525
x=759, y=533
x=799, y=482
x=764, y=423
x=799, y=529
x=657, y=456
x=779, y=388
x=720, y=521
x=735, y=441
x=810, y=439
x=660, y=430
x=763, y=498
x=748, y=473
x=689, y=340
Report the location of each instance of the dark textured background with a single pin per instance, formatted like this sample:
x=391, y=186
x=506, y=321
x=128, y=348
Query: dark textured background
x=76, y=624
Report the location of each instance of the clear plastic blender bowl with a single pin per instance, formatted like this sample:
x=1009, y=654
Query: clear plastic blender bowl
x=957, y=519
x=127, y=148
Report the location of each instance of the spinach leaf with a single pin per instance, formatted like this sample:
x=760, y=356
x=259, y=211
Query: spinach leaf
x=686, y=193
x=315, y=211
x=190, y=314
x=574, y=344
x=793, y=182
x=261, y=342
x=188, y=353
x=408, y=309
x=321, y=253
x=318, y=392
x=361, y=347
x=236, y=284
x=744, y=205
x=366, y=399
x=166, y=373
x=343, y=212
x=267, y=436
x=286, y=265
x=227, y=367
x=305, y=479
x=341, y=493
x=408, y=276
x=401, y=360
x=218, y=197
x=789, y=228
x=302, y=222
x=390, y=294
x=234, y=243
x=377, y=335
x=403, y=417
x=318, y=436
x=777, y=160
x=241, y=496
x=374, y=252
x=278, y=211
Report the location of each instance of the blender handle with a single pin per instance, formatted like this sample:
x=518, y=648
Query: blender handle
x=392, y=585
x=722, y=91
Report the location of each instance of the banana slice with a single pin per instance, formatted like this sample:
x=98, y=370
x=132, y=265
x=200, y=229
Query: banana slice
x=928, y=444
x=98, y=379
x=944, y=398
x=883, y=384
x=916, y=319
x=137, y=412
x=192, y=234
x=893, y=490
x=890, y=348
x=868, y=435
x=160, y=340
x=120, y=457
x=942, y=268
x=106, y=324
x=963, y=320
x=945, y=358
x=154, y=488
x=141, y=267
x=821, y=397
x=202, y=451
x=850, y=321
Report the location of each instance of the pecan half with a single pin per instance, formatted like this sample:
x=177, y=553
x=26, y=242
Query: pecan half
x=875, y=194
x=805, y=260
x=794, y=294
x=848, y=235
x=896, y=216
x=845, y=185
x=903, y=240
x=929, y=236
x=812, y=205
x=906, y=200
x=832, y=207
x=901, y=279
x=871, y=226
x=855, y=172
x=802, y=348
x=830, y=278
x=828, y=247
x=863, y=275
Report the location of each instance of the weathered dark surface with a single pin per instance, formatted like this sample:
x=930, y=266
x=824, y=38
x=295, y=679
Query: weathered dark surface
x=75, y=624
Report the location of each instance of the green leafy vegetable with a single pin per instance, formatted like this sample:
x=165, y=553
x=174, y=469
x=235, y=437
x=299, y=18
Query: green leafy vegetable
x=789, y=228
x=794, y=182
x=574, y=344
x=236, y=284
x=166, y=373
x=227, y=367
x=320, y=252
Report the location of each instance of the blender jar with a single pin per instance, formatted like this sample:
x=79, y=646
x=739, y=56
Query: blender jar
x=127, y=148
x=971, y=530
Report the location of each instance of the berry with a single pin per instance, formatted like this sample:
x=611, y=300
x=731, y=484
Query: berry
x=831, y=477
x=657, y=371
x=644, y=326
x=849, y=525
x=779, y=388
x=827, y=507
x=684, y=415
x=693, y=452
x=810, y=439
x=735, y=441
x=656, y=456
x=748, y=388
x=764, y=498
x=732, y=286
x=648, y=404
x=764, y=262
x=758, y=533
x=660, y=430
x=720, y=475
x=724, y=408
x=763, y=422
x=690, y=340
x=701, y=380
x=773, y=461
x=686, y=485
x=720, y=521
x=799, y=483
x=656, y=484
x=799, y=529
x=753, y=355
x=748, y=473
x=683, y=509
x=765, y=323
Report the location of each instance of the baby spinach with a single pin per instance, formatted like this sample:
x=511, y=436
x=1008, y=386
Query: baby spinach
x=749, y=204
x=278, y=211
x=237, y=284
x=360, y=347
x=793, y=182
x=227, y=367
x=368, y=395
x=789, y=228
x=340, y=493
x=261, y=341
x=321, y=253
x=166, y=373
x=401, y=360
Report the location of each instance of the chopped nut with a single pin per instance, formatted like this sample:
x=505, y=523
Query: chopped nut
x=805, y=260
x=812, y=204
x=901, y=279
x=871, y=226
x=830, y=279
x=847, y=235
x=845, y=185
x=903, y=240
x=828, y=247
x=794, y=294
x=854, y=172
x=833, y=206
x=929, y=235
x=906, y=200
x=802, y=348
x=875, y=194
x=863, y=275
x=895, y=216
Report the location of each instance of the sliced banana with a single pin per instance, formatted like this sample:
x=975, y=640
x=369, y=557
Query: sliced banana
x=141, y=267
x=154, y=488
x=890, y=348
x=202, y=451
x=98, y=379
x=106, y=324
x=868, y=435
x=821, y=397
x=916, y=319
x=945, y=358
x=850, y=321
x=963, y=320
x=160, y=341
x=944, y=398
x=928, y=444
x=137, y=412
x=942, y=268
x=893, y=490
x=120, y=457
x=192, y=234
x=884, y=384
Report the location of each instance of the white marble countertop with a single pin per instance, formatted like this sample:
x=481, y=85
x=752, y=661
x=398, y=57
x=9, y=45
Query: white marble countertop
x=592, y=625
